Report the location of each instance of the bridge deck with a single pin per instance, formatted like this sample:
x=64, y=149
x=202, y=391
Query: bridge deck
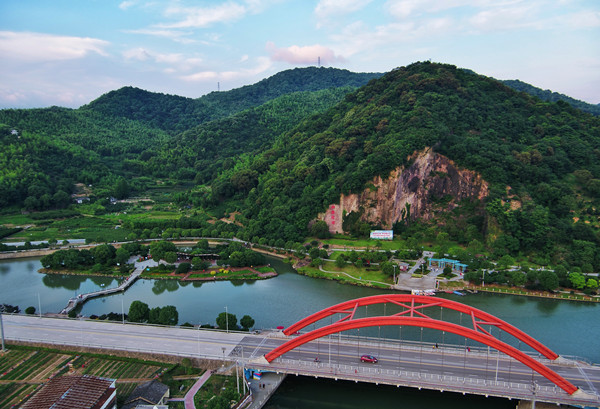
x=400, y=363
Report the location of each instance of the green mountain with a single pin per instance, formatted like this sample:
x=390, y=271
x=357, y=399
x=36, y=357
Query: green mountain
x=130, y=133
x=547, y=153
x=176, y=114
x=547, y=95
x=285, y=149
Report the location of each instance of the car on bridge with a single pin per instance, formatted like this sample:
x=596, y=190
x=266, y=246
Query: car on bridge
x=368, y=358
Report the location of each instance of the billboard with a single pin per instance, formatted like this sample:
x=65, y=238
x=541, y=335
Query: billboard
x=382, y=234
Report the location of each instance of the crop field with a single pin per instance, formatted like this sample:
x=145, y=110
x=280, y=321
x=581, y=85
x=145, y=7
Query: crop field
x=111, y=368
x=22, y=370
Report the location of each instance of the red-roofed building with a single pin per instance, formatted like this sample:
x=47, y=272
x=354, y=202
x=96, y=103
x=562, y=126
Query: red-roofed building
x=75, y=392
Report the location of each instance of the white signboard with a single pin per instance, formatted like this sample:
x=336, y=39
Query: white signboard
x=382, y=234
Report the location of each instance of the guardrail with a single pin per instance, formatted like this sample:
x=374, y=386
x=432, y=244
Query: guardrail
x=477, y=386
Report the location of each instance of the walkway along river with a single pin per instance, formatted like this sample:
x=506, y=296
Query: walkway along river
x=570, y=328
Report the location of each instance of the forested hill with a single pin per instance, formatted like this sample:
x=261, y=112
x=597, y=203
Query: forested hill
x=547, y=95
x=546, y=152
x=54, y=148
x=175, y=113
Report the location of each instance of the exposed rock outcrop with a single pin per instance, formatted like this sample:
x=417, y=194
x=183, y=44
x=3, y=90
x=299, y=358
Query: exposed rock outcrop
x=430, y=181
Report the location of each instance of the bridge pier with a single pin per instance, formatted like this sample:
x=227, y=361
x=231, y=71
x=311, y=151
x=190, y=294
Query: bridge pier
x=264, y=388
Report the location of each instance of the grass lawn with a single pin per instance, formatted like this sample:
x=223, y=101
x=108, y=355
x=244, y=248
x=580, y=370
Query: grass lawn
x=359, y=274
x=217, y=387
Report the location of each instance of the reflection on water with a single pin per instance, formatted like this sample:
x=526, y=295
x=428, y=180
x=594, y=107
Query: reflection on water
x=546, y=306
x=562, y=325
x=63, y=281
x=160, y=286
x=298, y=392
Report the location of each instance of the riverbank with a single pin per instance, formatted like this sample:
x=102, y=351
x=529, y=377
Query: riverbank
x=538, y=294
x=215, y=274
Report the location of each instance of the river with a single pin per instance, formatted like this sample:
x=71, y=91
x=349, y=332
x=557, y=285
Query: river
x=567, y=327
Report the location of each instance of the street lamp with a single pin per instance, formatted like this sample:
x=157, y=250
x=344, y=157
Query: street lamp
x=2, y=332
x=226, y=320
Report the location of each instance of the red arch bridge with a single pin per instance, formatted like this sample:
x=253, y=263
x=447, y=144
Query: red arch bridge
x=488, y=366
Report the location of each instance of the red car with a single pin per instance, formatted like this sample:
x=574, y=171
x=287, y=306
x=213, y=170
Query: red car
x=368, y=358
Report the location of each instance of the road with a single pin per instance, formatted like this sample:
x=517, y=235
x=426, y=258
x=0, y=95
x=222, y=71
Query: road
x=336, y=354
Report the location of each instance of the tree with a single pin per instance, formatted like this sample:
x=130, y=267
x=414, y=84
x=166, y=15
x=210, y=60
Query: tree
x=30, y=310
x=340, y=262
x=505, y=262
x=591, y=283
x=170, y=257
x=121, y=255
x=577, y=280
x=160, y=248
x=183, y=268
x=247, y=322
x=138, y=311
x=320, y=230
x=447, y=270
x=104, y=254
x=168, y=315
x=200, y=264
x=548, y=280
x=121, y=189
x=153, y=315
x=227, y=321
x=387, y=268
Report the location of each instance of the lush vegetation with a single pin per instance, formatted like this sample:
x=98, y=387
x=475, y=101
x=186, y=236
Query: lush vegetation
x=260, y=162
x=106, y=143
x=140, y=312
x=547, y=95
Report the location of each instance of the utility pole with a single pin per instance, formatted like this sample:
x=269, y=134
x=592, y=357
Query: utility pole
x=226, y=320
x=39, y=305
x=2, y=332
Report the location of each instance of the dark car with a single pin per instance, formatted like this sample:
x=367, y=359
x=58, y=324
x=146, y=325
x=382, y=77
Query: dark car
x=368, y=358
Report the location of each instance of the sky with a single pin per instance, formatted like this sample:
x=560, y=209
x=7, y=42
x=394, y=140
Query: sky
x=70, y=52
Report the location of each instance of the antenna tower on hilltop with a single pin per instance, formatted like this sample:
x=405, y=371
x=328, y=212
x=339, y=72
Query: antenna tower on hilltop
x=319, y=62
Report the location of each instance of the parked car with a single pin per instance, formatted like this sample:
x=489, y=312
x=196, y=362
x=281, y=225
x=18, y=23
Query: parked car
x=368, y=358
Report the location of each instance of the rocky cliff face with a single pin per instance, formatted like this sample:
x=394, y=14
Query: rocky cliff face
x=431, y=182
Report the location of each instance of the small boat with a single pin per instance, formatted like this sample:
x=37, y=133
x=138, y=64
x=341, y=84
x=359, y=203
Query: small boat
x=458, y=293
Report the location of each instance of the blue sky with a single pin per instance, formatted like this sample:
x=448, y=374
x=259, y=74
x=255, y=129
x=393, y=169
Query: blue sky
x=69, y=52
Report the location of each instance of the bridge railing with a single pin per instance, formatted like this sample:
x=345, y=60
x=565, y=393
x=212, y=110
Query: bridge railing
x=472, y=385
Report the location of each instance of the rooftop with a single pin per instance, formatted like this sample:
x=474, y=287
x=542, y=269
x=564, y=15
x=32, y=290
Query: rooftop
x=73, y=392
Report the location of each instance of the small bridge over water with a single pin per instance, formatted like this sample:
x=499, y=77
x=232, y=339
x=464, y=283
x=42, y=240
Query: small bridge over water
x=495, y=359
x=82, y=298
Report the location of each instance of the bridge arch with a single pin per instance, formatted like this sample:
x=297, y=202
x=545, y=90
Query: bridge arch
x=413, y=306
x=484, y=338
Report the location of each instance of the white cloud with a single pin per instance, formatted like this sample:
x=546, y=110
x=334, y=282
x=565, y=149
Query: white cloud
x=505, y=18
x=302, y=55
x=327, y=9
x=358, y=38
x=37, y=47
x=179, y=62
x=584, y=19
x=205, y=16
x=262, y=65
x=408, y=8
x=175, y=35
x=126, y=4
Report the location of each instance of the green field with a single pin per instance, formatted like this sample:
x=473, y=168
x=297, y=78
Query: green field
x=35, y=366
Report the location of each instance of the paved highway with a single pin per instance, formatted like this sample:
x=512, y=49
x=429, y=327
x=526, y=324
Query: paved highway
x=450, y=361
x=335, y=355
